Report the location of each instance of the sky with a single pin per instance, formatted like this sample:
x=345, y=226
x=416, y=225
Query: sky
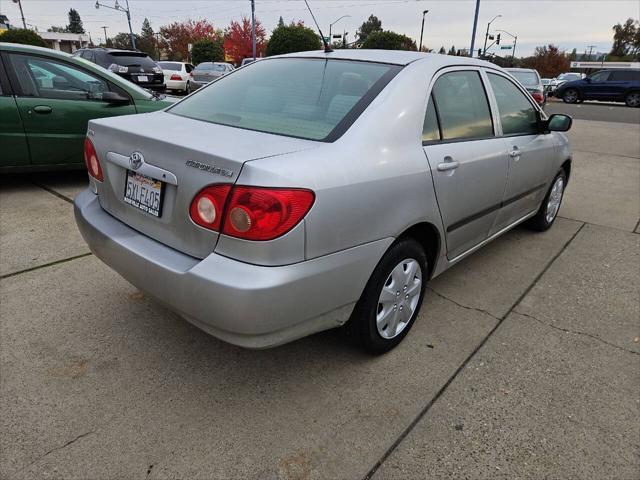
x=566, y=23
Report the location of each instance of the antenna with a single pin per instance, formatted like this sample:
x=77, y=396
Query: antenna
x=327, y=47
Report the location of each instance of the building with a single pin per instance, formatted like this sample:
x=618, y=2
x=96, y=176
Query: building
x=65, y=42
x=4, y=23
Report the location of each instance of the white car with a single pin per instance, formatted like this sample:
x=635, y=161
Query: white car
x=177, y=76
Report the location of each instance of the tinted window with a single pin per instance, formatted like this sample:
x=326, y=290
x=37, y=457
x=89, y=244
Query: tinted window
x=173, y=66
x=304, y=98
x=189, y=67
x=202, y=67
x=462, y=106
x=622, y=76
x=517, y=115
x=218, y=67
x=47, y=78
x=430, y=130
x=131, y=59
x=569, y=77
x=528, y=79
x=599, y=77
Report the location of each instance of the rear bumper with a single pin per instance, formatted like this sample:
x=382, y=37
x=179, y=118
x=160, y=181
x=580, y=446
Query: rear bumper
x=176, y=84
x=248, y=305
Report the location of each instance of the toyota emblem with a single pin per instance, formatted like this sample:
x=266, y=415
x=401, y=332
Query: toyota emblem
x=136, y=160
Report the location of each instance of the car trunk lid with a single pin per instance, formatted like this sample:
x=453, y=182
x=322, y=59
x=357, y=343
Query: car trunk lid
x=185, y=155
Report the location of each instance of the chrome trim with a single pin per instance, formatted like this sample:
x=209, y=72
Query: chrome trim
x=145, y=169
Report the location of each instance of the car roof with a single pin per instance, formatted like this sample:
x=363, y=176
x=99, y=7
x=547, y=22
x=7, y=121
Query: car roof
x=396, y=57
x=510, y=69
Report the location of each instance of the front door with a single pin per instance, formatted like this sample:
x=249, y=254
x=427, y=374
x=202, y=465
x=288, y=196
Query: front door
x=531, y=153
x=468, y=162
x=596, y=87
x=13, y=142
x=56, y=100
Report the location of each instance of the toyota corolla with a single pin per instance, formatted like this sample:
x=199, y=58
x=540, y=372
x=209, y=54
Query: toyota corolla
x=316, y=190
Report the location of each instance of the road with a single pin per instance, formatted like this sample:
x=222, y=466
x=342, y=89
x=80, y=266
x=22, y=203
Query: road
x=600, y=111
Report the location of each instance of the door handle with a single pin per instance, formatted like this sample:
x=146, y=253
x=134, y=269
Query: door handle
x=515, y=153
x=448, y=164
x=43, y=109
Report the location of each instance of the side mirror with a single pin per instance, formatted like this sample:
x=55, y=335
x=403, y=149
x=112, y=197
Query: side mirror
x=559, y=123
x=115, y=98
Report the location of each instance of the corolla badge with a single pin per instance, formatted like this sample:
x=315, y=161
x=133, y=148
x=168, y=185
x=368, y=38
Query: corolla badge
x=136, y=160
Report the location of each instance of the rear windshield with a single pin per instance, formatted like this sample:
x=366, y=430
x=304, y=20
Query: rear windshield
x=204, y=66
x=528, y=79
x=314, y=99
x=173, y=66
x=569, y=76
x=130, y=59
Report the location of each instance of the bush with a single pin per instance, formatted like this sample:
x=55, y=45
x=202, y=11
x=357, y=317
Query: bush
x=207, y=51
x=23, y=36
x=389, y=41
x=291, y=39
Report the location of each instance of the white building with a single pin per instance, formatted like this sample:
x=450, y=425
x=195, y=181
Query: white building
x=66, y=42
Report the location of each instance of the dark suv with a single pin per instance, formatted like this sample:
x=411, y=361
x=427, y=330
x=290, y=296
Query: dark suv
x=619, y=85
x=137, y=67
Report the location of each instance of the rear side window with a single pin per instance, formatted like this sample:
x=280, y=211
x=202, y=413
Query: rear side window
x=430, y=129
x=623, y=76
x=463, y=108
x=517, y=114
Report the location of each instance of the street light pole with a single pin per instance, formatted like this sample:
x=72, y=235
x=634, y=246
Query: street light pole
x=125, y=10
x=253, y=27
x=422, y=29
x=486, y=35
x=475, y=25
x=105, y=34
x=332, y=24
x=515, y=42
x=24, y=23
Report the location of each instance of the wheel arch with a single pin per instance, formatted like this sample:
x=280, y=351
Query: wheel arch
x=566, y=166
x=428, y=236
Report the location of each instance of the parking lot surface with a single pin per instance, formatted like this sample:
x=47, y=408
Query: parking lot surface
x=524, y=362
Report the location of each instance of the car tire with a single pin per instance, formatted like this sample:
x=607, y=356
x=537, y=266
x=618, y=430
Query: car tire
x=187, y=89
x=548, y=211
x=397, y=285
x=632, y=99
x=571, y=95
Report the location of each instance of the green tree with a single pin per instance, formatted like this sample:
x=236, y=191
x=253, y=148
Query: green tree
x=623, y=37
x=24, y=36
x=146, y=42
x=280, y=22
x=573, y=55
x=373, y=24
x=442, y=51
x=389, y=41
x=452, y=51
x=55, y=29
x=206, y=50
x=75, y=22
x=292, y=38
x=123, y=41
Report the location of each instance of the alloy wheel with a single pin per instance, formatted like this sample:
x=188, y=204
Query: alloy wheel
x=633, y=99
x=571, y=96
x=555, y=198
x=399, y=298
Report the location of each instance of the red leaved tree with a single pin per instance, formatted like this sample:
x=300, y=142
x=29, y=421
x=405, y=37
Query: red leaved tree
x=178, y=35
x=238, y=41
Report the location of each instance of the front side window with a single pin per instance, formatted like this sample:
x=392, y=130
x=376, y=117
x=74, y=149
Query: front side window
x=622, y=76
x=47, y=78
x=599, y=77
x=462, y=106
x=517, y=114
x=298, y=97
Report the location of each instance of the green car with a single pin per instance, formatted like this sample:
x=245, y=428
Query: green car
x=46, y=99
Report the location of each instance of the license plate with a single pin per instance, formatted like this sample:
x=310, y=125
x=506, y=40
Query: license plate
x=144, y=193
x=143, y=78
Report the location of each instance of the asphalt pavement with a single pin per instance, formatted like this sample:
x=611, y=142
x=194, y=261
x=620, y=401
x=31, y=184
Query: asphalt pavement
x=524, y=362
x=600, y=111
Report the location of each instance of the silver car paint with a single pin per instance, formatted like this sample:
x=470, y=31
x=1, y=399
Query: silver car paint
x=371, y=185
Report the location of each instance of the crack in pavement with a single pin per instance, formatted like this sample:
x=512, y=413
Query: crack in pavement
x=70, y=442
x=575, y=332
x=50, y=264
x=53, y=192
x=466, y=307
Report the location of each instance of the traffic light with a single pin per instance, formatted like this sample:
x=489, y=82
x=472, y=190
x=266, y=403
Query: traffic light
x=498, y=40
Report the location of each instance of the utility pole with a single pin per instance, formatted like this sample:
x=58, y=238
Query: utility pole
x=253, y=27
x=105, y=35
x=157, y=34
x=422, y=29
x=24, y=23
x=121, y=9
x=486, y=35
x=590, y=47
x=475, y=25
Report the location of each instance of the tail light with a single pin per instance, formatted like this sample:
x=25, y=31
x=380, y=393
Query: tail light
x=538, y=97
x=92, y=161
x=251, y=213
x=175, y=76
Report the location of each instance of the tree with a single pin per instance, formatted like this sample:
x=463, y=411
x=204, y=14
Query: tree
x=623, y=37
x=442, y=51
x=23, y=36
x=123, y=41
x=452, y=51
x=548, y=60
x=280, y=22
x=389, y=41
x=75, y=22
x=373, y=24
x=146, y=42
x=178, y=36
x=292, y=38
x=238, y=41
x=206, y=50
x=573, y=55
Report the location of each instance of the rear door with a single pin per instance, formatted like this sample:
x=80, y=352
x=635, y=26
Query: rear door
x=468, y=162
x=55, y=100
x=13, y=141
x=619, y=82
x=531, y=153
x=597, y=86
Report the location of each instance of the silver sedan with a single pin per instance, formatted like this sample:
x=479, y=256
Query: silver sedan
x=318, y=190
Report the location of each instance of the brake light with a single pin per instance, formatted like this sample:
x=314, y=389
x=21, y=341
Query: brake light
x=538, y=97
x=251, y=213
x=92, y=161
x=175, y=76
x=208, y=205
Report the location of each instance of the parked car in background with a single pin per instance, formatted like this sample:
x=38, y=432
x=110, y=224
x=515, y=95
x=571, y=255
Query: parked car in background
x=619, y=85
x=137, y=67
x=530, y=79
x=46, y=99
x=177, y=76
x=206, y=72
x=546, y=83
x=248, y=60
x=281, y=205
x=562, y=78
